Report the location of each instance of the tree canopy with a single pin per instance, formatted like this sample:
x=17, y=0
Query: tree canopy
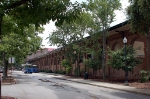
x=20, y=46
x=139, y=16
x=95, y=19
x=38, y=12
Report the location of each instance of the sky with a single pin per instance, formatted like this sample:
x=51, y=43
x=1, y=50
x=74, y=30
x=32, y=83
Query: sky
x=120, y=17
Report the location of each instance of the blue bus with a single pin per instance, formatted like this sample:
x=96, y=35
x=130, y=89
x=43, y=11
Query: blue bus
x=35, y=69
x=29, y=68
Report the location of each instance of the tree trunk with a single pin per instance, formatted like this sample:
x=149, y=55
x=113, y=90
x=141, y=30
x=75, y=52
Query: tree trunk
x=4, y=62
x=103, y=56
x=6, y=67
x=79, y=74
x=1, y=27
x=1, y=17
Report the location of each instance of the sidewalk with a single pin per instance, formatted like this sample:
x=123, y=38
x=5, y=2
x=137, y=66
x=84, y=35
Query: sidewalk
x=103, y=84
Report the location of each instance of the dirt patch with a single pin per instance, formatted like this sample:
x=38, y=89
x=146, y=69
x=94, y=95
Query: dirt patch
x=7, y=97
x=138, y=85
x=9, y=79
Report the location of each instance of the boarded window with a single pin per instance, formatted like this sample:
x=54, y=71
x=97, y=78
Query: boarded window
x=139, y=47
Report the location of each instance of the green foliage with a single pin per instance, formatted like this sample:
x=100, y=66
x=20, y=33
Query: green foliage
x=139, y=16
x=102, y=14
x=65, y=63
x=68, y=70
x=76, y=71
x=92, y=63
x=62, y=72
x=87, y=62
x=145, y=75
x=49, y=71
x=117, y=59
x=26, y=12
x=97, y=16
x=56, y=71
x=25, y=44
x=41, y=70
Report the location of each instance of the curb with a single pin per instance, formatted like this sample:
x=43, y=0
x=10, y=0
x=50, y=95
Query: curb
x=137, y=92
x=5, y=83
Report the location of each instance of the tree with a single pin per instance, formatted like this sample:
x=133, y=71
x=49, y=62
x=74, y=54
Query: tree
x=37, y=12
x=117, y=59
x=66, y=63
x=139, y=16
x=97, y=16
x=93, y=62
x=139, y=19
x=70, y=37
x=103, y=15
x=19, y=46
x=66, y=36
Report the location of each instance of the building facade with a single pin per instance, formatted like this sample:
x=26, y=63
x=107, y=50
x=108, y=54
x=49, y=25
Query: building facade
x=51, y=59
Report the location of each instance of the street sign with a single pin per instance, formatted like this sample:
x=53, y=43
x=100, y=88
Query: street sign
x=11, y=60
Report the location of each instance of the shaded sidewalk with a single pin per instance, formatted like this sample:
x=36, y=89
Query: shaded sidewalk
x=103, y=84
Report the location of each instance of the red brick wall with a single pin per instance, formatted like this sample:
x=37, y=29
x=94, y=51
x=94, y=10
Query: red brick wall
x=117, y=38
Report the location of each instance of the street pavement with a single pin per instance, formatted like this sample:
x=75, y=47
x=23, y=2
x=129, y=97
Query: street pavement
x=103, y=84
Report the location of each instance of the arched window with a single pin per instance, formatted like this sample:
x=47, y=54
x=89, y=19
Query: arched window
x=139, y=47
x=118, y=46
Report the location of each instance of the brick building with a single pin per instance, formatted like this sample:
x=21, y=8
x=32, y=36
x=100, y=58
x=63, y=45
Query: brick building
x=51, y=59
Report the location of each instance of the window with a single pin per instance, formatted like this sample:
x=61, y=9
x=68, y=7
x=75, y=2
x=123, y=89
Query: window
x=118, y=46
x=139, y=47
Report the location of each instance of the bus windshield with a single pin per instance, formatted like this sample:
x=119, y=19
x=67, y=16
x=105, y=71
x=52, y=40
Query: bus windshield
x=30, y=68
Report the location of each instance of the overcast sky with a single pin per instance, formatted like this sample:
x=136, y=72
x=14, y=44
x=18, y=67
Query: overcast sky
x=120, y=17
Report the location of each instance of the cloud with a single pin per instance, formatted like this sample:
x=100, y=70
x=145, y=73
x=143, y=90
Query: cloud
x=48, y=29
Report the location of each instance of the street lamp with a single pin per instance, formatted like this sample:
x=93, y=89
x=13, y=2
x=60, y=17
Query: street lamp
x=126, y=70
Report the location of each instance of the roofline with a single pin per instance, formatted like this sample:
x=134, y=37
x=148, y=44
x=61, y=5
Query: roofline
x=111, y=28
x=118, y=25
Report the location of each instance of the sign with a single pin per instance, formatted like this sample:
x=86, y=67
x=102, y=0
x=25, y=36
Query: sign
x=11, y=60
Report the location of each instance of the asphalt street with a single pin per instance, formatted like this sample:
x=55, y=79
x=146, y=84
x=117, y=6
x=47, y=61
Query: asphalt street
x=43, y=86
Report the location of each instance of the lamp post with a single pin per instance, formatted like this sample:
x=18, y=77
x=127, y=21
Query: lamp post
x=126, y=68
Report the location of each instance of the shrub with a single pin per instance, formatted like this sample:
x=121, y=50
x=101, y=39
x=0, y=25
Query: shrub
x=62, y=72
x=117, y=59
x=50, y=71
x=144, y=76
x=65, y=63
x=68, y=70
x=56, y=71
x=41, y=70
x=76, y=72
